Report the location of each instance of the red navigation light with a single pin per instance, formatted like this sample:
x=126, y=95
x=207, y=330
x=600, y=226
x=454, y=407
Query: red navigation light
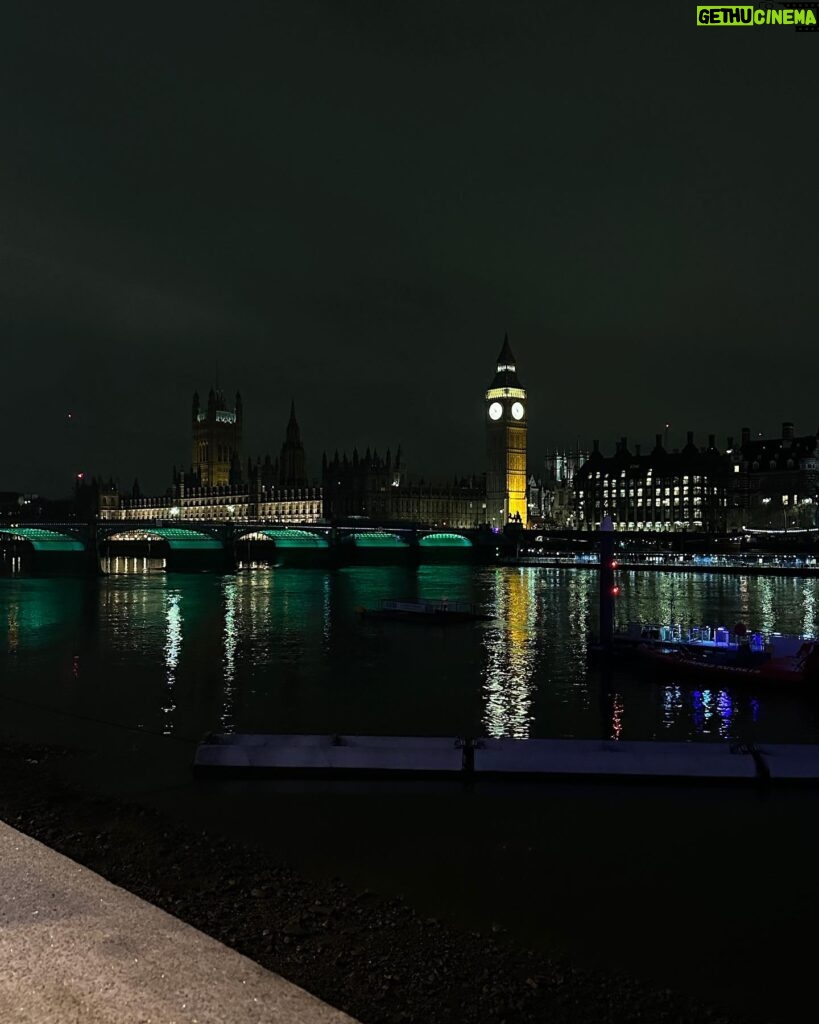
x=615, y=591
x=614, y=563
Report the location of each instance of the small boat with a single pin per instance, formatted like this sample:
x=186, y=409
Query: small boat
x=719, y=653
x=437, y=611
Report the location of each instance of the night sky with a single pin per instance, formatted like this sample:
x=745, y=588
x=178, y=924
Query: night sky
x=350, y=203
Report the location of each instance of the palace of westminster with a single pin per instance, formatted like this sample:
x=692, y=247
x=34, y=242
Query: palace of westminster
x=758, y=483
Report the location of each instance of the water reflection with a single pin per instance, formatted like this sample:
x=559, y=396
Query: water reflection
x=284, y=650
x=511, y=653
x=725, y=713
x=34, y=611
x=710, y=712
x=173, y=646
x=766, y=605
x=13, y=628
x=617, y=710
x=229, y=656
x=580, y=601
x=672, y=705
x=809, y=606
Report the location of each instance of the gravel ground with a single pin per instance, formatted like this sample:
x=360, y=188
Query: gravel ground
x=374, y=958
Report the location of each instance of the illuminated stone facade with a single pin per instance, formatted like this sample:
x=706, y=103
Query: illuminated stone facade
x=270, y=491
x=506, y=415
x=225, y=504
x=217, y=440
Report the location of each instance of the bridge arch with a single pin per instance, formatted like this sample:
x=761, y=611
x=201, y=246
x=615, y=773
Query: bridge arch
x=178, y=538
x=285, y=538
x=375, y=539
x=444, y=540
x=45, y=540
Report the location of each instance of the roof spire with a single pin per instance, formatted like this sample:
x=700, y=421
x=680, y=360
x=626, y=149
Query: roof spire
x=506, y=358
x=506, y=375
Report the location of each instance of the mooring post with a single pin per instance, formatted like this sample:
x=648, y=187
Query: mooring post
x=93, y=566
x=607, y=590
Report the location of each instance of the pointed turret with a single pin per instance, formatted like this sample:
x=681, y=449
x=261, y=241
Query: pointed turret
x=506, y=374
x=292, y=472
x=506, y=357
x=293, y=434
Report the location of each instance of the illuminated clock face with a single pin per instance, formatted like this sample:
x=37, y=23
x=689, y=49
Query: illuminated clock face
x=517, y=410
x=495, y=411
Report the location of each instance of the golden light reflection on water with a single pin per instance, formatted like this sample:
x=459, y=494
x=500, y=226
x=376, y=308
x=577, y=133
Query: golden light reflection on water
x=617, y=709
x=511, y=655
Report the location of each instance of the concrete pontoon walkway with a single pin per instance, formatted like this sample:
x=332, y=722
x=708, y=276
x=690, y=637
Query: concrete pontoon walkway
x=75, y=948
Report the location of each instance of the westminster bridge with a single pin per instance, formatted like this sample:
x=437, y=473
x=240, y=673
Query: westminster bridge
x=76, y=547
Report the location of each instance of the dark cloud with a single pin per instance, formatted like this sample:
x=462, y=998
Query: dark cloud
x=350, y=203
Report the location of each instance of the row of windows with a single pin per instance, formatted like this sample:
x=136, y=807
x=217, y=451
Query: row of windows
x=649, y=473
x=607, y=504
x=613, y=489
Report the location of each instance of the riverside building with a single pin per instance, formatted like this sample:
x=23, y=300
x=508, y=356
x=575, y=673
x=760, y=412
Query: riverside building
x=661, y=490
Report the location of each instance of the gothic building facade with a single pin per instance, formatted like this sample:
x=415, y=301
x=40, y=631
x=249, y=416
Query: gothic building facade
x=216, y=488
x=370, y=486
x=378, y=488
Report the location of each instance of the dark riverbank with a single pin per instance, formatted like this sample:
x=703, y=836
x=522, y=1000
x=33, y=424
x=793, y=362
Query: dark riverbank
x=378, y=959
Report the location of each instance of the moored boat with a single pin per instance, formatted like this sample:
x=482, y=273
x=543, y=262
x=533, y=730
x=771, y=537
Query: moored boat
x=435, y=611
x=704, y=652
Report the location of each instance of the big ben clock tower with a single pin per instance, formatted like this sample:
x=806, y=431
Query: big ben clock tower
x=506, y=412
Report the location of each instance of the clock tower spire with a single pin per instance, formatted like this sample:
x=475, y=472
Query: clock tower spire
x=506, y=414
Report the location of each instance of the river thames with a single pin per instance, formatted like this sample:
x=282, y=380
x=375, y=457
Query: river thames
x=122, y=675
x=285, y=650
